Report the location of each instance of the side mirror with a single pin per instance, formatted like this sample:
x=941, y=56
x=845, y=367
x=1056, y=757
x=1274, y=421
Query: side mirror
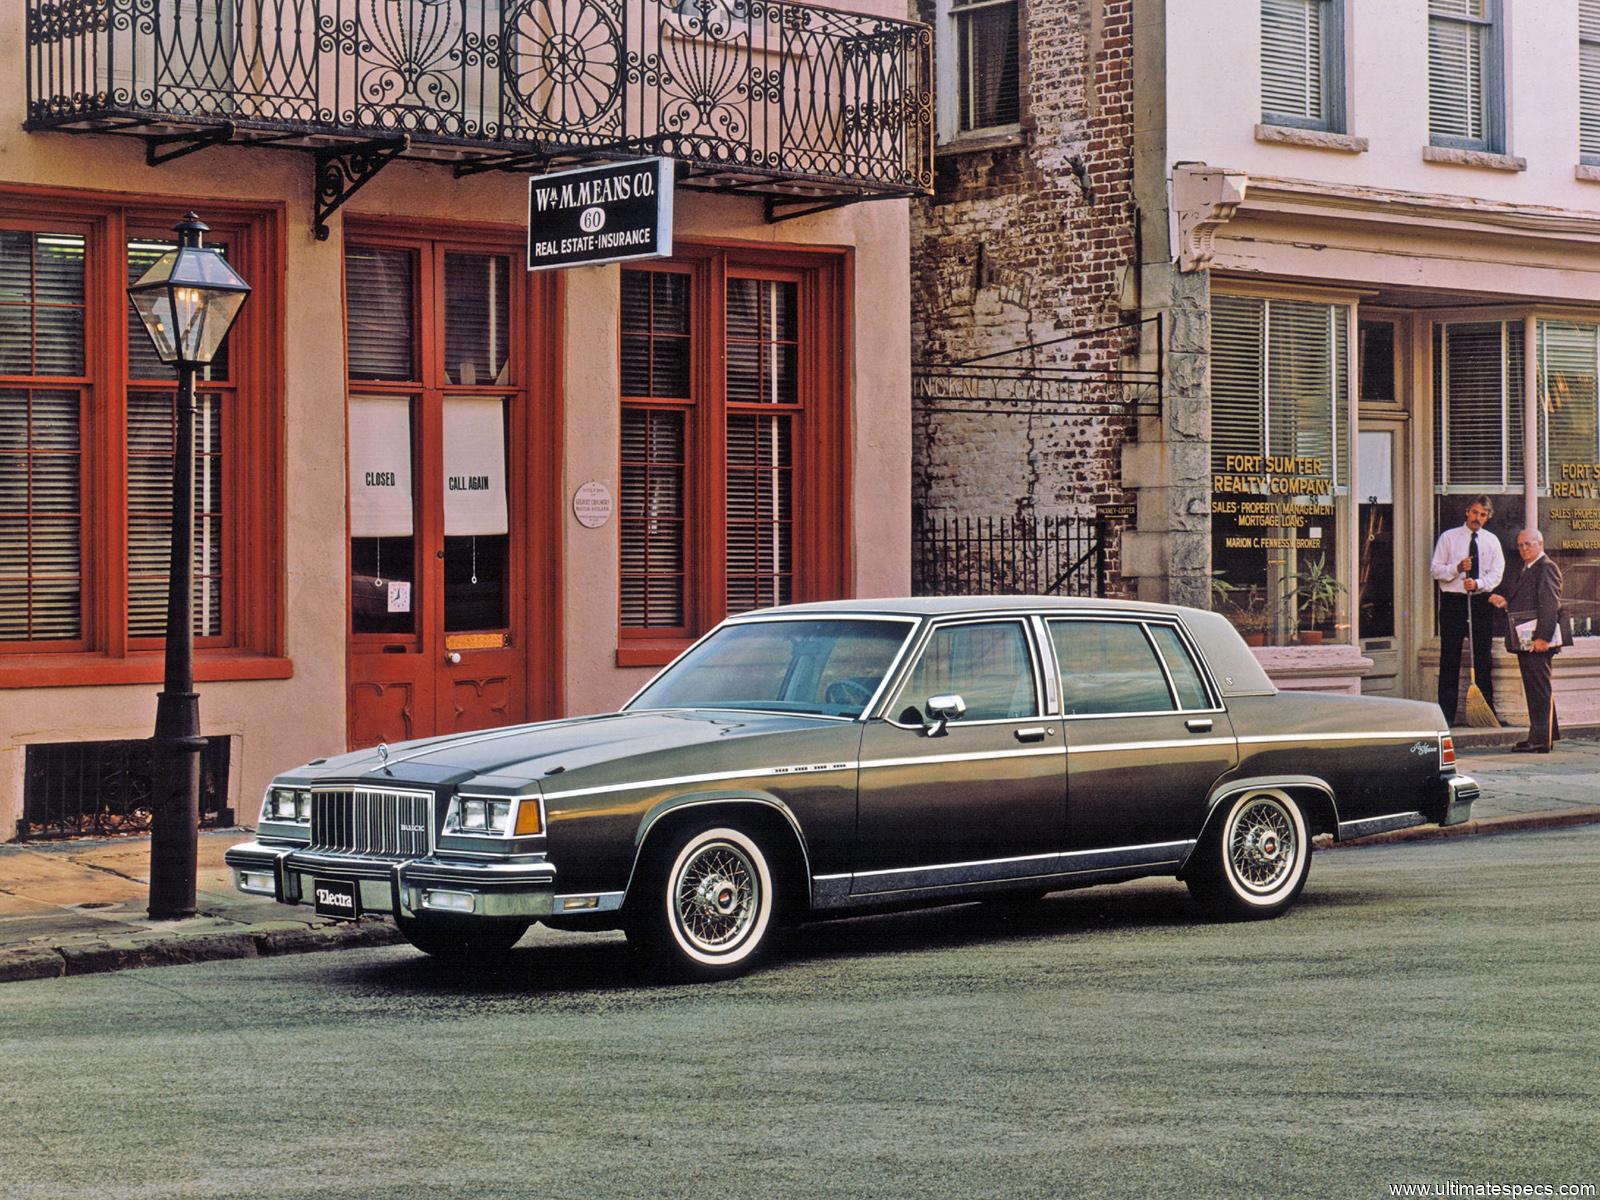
x=943, y=710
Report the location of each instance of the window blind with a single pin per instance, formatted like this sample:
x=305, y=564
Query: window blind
x=151, y=440
x=1589, y=79
x=1292, y=60
x=1568, y=395
x=652, y=518
x=378, y=308
x=40, y=515
x=1479, y=389
x=1280, y=381
x=1458, y=44
x=760, y=511
x=988, y=63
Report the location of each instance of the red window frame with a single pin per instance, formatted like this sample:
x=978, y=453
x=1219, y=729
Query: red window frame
x=251, y=645
x=820, y=505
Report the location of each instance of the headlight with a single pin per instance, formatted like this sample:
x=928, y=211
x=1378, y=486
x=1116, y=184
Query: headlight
x=473, y=815
x=287, y=804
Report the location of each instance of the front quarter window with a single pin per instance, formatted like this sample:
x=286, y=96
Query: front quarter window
x=818, y=667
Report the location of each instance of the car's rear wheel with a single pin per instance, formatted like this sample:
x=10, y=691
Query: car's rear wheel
x=1254, y=858
x=704, y=903
x=469, y=944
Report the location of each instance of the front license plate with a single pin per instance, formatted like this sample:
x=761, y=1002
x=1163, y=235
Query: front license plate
x=337, y=898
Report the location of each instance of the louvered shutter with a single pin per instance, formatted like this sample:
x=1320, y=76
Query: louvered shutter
x=41, y=441
x=1568, y=385
x=1589, y=78
x=378, y=308
x=1475, y=405
x=1292, y=58
x=1238, y=325
x=1457, y=37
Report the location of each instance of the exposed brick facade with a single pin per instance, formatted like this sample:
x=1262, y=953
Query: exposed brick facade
x=1024, y=243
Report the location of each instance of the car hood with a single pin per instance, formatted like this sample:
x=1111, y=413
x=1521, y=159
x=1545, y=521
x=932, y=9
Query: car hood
x=565, y=749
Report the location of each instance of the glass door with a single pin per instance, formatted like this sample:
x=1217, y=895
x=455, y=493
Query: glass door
x=436, y=645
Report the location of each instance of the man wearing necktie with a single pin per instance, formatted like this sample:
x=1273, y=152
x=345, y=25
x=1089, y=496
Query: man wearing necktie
x=1468, y=564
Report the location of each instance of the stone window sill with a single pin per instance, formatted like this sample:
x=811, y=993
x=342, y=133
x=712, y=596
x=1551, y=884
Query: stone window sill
x=1314, y=139
x=980, y=143
x=1473, y=158
x=1587, y=172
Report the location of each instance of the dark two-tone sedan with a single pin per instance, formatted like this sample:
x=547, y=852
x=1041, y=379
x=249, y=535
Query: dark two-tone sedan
x=826, y=758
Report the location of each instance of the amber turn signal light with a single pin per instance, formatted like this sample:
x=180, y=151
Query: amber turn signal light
x=528, y=821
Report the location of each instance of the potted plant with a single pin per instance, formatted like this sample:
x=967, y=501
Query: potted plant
x=1316, y=594
x=1251, y=618
x=1221, y=590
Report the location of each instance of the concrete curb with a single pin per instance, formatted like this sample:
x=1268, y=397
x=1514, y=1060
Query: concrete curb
x=1511, y=823
x=251, y=941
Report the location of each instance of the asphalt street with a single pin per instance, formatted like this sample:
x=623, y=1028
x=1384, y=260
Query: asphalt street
x=1426, y=1015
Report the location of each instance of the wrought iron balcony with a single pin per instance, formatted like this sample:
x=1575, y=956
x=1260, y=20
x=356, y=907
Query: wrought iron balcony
x=785, y=99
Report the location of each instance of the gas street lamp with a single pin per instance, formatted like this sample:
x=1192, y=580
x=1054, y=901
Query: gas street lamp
x=187, y=301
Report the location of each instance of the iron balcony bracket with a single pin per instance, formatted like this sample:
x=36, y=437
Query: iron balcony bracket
x=805, y=206
x=342, y=171
x=184, y=143
x=537, y=161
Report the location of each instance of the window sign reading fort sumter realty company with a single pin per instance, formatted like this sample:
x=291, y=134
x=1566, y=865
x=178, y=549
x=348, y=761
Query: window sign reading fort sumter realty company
x=1280, y=468
x=603, y=214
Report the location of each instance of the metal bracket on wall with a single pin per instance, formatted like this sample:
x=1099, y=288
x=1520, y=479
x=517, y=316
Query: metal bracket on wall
x=810, y=205
x=342, y=171
x=184, y=143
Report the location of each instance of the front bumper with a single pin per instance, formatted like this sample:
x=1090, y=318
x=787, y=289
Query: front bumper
x=403, y=887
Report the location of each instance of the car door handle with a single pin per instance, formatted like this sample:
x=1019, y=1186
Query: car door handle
x=1033, y=733
x=1198, y=724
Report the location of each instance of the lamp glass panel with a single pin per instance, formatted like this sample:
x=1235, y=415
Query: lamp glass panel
x=155, y=313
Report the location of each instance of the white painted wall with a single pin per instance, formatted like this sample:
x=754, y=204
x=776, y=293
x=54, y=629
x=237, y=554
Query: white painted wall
x=1214, y=101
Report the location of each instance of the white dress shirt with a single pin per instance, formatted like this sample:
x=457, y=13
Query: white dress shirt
x=1453, y=547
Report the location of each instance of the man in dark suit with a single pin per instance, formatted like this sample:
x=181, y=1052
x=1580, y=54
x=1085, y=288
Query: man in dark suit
x=1533, y=597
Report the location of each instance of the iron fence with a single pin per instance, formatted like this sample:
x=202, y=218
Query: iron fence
x=74, y=789
x=743, y=89
x=1010, y=556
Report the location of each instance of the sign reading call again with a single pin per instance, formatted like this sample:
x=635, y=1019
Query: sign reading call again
x=600, y=214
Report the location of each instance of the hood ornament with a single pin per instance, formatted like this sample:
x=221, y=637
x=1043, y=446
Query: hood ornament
x=383, y=754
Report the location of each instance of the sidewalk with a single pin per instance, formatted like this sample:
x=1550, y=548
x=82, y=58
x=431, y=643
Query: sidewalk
x=78, y=907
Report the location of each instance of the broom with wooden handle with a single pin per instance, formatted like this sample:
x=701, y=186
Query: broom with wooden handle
x=1479, y=714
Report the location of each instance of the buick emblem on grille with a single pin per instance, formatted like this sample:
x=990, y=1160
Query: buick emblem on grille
x=411, y=829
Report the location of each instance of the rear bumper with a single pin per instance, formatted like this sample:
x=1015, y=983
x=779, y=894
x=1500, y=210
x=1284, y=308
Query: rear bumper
x=404, y=887
x=1455, y=806
x=1448, y=802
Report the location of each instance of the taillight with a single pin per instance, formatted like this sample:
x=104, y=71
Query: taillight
x=1447, y=752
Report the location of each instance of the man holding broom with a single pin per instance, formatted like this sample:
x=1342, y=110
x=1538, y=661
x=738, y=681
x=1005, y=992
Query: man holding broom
x=1469, y=564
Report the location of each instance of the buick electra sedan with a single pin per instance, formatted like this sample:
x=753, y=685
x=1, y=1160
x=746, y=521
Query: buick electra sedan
x=830, y=758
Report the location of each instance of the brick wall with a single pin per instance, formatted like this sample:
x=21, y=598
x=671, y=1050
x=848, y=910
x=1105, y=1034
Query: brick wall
x=1022, y=244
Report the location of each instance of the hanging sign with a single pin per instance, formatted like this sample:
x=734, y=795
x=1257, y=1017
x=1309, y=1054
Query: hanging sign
x=600, y=214
x=474, y=466
x=380, y=467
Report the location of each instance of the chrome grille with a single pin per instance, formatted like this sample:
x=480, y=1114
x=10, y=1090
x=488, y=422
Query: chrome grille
x=372, y=822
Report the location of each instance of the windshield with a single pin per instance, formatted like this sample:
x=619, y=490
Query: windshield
x=828, y=668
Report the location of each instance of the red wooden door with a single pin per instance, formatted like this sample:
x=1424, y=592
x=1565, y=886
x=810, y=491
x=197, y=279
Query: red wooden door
x=444, y=440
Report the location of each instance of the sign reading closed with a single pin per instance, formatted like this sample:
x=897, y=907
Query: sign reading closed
x=600, y=214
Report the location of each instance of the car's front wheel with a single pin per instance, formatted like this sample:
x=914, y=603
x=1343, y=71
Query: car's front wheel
x=704, y=903
x=1253, y=861
x=476, y=943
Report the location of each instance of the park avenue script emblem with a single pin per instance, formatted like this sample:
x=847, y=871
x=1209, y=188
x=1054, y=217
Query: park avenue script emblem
x=1423, y=749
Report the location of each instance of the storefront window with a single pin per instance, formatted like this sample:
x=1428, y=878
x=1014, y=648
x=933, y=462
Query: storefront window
x=1280, y=404
x=1569, y=469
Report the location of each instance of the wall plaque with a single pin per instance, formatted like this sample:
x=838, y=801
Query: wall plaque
x=591, y=504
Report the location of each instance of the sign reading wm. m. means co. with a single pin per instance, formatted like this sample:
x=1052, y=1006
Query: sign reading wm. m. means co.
x=600, y=214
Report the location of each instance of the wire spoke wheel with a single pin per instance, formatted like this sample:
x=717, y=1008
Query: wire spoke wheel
x=704, y=902
x=1261, y=845
x=1254, y=857
x=716, y=896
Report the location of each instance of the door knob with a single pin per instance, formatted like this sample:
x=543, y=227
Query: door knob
x=453, y=658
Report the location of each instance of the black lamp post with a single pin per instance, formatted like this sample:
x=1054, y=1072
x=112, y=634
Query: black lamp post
x=187, y=301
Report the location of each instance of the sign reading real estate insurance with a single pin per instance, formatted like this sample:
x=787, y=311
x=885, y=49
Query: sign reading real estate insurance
x=600, y=214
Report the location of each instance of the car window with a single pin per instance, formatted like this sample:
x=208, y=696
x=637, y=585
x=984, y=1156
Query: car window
x=1185, y=674
x=1108, y=667
x=987, y=664
x=829, y=667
